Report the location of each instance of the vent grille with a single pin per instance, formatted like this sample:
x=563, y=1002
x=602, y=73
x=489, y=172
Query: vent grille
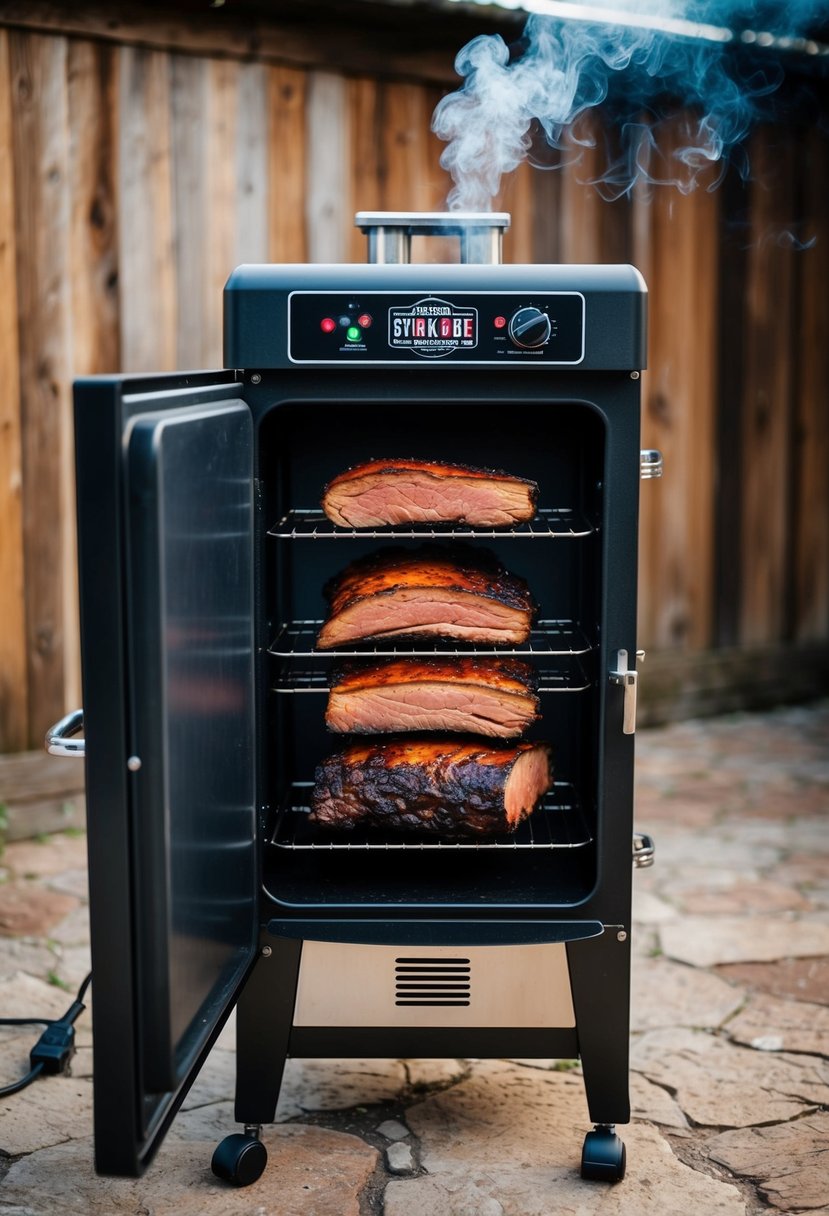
x=432, y=981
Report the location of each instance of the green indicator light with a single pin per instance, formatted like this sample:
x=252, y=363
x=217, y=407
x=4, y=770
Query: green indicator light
x=353, y=333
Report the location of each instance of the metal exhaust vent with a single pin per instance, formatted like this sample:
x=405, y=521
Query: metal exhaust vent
x=432, y=981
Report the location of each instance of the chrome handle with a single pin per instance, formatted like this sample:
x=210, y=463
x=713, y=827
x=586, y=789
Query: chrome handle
x=629, y=680
x=62, y=740
x=650, y=463
x=643, y=850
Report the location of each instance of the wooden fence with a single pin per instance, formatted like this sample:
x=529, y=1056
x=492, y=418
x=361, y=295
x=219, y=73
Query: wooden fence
x=134, y=176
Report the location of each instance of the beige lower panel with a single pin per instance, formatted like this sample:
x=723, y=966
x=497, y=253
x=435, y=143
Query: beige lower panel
x=345, y=985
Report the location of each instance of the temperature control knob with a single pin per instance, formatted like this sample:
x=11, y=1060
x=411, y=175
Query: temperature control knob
x=529, y=327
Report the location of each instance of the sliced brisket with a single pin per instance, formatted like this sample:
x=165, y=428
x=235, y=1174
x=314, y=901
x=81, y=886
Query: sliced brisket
x=446, y=786
x=383, y=492
x=484, y=696
x=433, y=591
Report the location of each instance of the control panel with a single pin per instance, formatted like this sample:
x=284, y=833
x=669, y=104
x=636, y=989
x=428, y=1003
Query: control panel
x=492, y=328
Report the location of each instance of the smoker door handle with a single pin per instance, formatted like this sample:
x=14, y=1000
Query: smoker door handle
x=629, y=681
x=62, y=738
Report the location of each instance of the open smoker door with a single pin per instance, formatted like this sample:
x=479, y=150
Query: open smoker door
x=165, y=511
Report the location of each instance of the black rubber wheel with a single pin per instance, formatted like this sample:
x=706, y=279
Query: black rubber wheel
x=239, y=1159
x=603, y=1157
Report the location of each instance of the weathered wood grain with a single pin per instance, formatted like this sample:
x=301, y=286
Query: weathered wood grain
x=329, y=207
x=811, y=465
x=93, y=253
x=677, y=253
x=41, y=177
x=251, y=162
x=14, y=721
x=287, y=165
x=145, y=232
x=767, y=394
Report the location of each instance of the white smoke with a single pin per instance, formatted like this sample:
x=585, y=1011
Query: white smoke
x=527, y=105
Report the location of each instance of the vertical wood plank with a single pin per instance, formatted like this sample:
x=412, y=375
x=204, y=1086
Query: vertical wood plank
x=768, y=396
x=287, y=165
x=518, y=198
x=251, y=239
x=677, y=253
x=14, y=719
x=579, y=205
x=221, y=183
x=329, y=208
x=41, y=202
x=146, y=252
x=812, y=436
x=545, y=214
x=191, y=200
x=368, y=169
x=92, y=108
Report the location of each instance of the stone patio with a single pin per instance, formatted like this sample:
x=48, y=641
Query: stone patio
x=730, y=1078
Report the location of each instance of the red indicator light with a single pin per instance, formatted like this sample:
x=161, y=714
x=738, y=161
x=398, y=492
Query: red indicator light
x=328, y=325
x=364, y=321
x=500, y=322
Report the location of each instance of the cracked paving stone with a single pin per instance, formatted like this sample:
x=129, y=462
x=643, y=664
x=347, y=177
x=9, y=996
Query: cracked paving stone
x=311, y=1171
x=654, y=1103
x=649, y=909
x=772, y=1024
x=51, y=1111
x=29, y=910
x=513, y=1136
x=73, y=930
x=57, y=854
x=705, y=941
x=759, y=896
x=307, y=1085
x=544, y=1178
x=424, y=1074
x=671, y=994
x=24, y=954
x=719, y=1084
x=790, y=1161
x=802, y=979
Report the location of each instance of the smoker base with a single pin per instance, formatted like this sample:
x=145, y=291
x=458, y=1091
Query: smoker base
x=599, y=988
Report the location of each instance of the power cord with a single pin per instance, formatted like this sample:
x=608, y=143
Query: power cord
x=55, y=1047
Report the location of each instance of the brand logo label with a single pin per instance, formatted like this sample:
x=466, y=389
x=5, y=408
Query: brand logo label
x=433, y=328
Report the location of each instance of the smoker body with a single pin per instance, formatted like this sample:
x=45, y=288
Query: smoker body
x=202, y=559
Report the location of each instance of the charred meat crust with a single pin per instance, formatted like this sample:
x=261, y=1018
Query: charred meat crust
x=432, y=468
x=441, y=786
x=438, y=567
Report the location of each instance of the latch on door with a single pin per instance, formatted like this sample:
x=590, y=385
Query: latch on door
x=629, y=680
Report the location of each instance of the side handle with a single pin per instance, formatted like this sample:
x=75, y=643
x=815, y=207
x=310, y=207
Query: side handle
x=62, y=738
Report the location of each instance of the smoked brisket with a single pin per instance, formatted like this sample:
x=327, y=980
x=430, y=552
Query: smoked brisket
x=382, y=492
x=434, y=591
x=450, y=787
x=489, y=696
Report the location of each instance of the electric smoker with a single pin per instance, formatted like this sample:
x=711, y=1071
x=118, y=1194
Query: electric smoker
x=203, y=554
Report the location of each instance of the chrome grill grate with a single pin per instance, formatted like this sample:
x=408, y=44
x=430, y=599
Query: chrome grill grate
x=557, y=824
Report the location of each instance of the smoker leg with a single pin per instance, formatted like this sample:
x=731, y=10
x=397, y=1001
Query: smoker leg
x=600, y=982
x=264, y=1017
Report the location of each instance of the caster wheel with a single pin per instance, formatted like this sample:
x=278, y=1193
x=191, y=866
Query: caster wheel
x=239, y=1159
x=603, y=1157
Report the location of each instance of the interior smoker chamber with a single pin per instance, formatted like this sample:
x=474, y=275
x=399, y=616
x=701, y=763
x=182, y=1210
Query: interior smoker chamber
x=203, y=555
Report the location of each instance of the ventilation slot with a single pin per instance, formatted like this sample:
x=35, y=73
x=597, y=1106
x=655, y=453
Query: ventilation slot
x=432, y=981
